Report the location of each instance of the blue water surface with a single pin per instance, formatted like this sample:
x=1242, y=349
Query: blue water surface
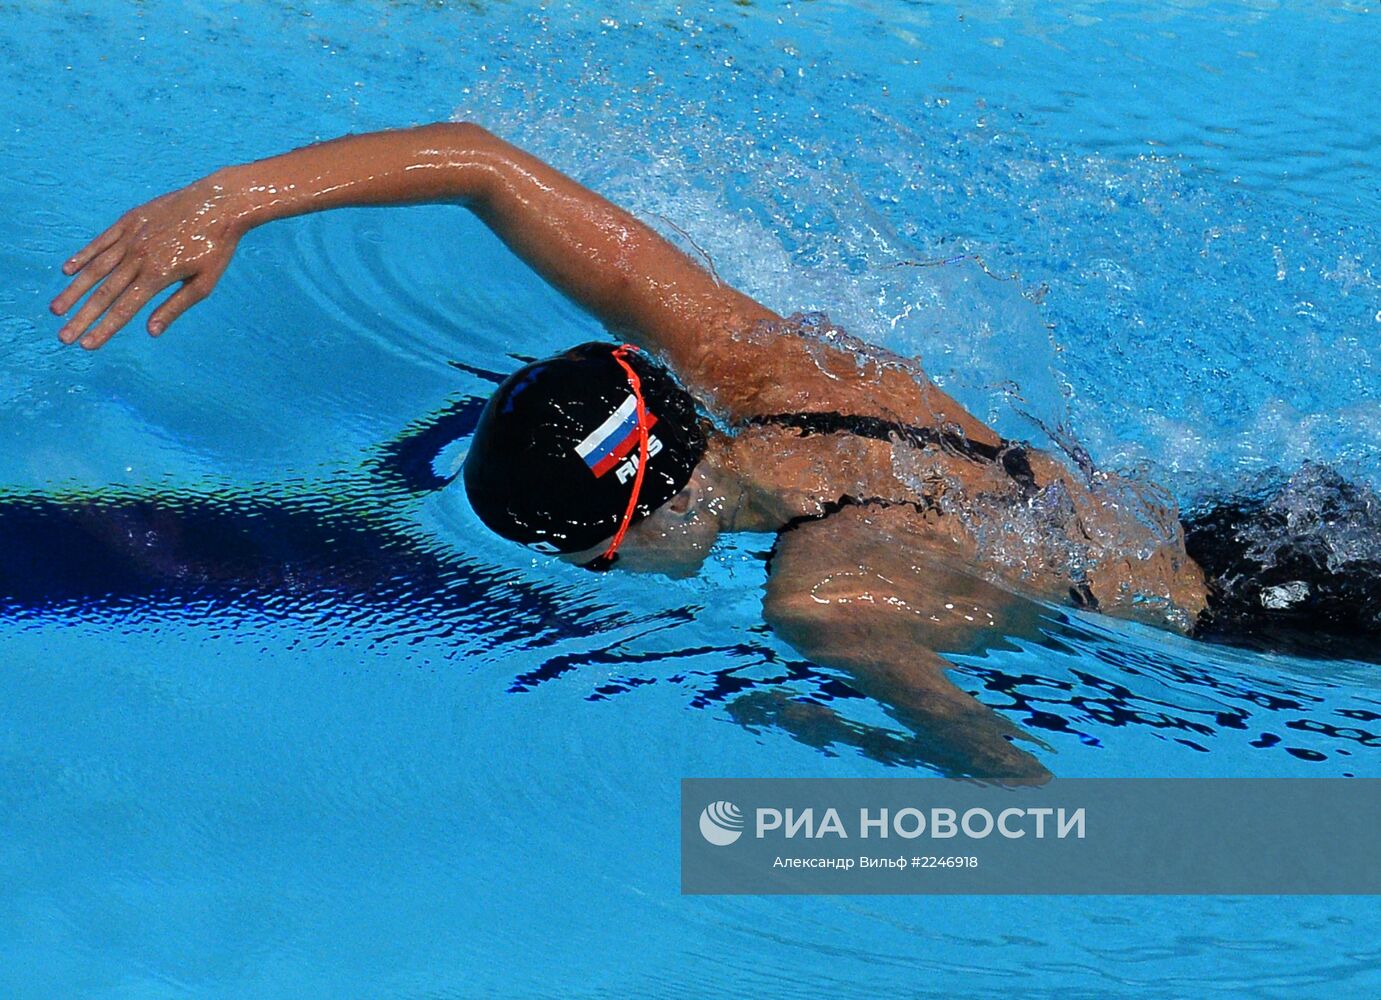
x=454, y=772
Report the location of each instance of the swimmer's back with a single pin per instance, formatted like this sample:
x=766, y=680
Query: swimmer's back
x=772, y=367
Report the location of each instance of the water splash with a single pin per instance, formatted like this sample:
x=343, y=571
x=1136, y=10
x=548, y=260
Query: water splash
x=1142, y=296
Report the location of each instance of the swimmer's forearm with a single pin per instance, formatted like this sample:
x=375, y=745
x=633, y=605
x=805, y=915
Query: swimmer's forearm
x=433, y=163
x=875, y=645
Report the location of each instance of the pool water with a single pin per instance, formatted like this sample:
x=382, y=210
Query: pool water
x=423, y=763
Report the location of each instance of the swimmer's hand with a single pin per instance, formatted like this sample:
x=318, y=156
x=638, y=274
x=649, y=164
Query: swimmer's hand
x=187, y=236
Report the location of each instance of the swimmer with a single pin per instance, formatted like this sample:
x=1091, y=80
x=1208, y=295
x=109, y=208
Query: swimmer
x=905, y=527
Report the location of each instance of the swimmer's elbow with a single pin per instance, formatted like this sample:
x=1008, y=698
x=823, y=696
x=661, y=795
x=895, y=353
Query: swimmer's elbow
x=467, y=129
x=456, y=135
x=797, y=617
x=779, y=606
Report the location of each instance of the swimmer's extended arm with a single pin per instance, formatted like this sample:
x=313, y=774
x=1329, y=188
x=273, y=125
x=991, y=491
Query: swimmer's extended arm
x=950, y=730
x=590, y=249
x=844, y=602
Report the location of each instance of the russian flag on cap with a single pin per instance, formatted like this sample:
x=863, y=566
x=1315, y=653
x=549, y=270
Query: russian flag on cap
x=610, y=442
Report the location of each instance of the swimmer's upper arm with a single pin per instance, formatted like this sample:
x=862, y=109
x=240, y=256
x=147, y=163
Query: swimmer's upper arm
x=605, y=259
x=645, y=289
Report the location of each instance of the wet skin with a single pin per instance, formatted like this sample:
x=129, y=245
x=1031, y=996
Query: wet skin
x=933, y=563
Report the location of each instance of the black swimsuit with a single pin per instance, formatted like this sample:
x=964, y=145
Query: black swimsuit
x=1009, y=454
x=1297, y=603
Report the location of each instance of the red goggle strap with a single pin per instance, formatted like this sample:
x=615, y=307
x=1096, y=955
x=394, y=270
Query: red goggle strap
x=621, y=355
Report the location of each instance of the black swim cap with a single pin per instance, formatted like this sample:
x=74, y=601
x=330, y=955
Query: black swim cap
x=554, y=455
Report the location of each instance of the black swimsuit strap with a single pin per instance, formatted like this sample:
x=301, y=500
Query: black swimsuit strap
x=1010, y=455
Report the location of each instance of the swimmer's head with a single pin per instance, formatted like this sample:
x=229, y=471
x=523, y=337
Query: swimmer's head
x=554, y=458
x=674, y=539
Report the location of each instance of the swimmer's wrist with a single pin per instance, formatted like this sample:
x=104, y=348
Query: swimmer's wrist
x=245, y=200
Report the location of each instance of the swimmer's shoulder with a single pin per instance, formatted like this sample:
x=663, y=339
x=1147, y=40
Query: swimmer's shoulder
x=750, y=367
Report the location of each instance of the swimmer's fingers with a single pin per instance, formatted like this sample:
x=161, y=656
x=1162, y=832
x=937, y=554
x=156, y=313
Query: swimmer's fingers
x=179, y=302
x=101, y=299
x=136, y=295
x=79, y=259
x=193, y=290
x=81, y=284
